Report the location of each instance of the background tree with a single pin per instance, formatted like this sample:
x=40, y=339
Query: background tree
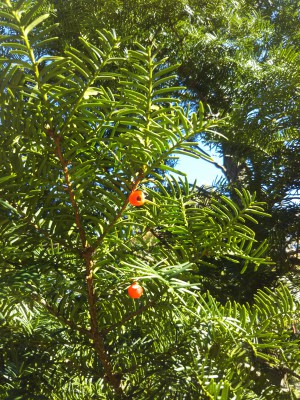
x=80, y=131
x=241, y=59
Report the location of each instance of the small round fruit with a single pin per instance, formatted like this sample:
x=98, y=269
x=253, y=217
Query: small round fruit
x=135, y=290
x=137, y=198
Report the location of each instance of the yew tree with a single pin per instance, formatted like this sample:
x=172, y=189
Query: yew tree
x=89, y=208
x=241, y=59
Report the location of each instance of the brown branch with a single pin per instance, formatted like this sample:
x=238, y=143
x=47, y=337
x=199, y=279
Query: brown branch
x=42, y=231
x=291, y=252
x=161, y=239
x=291, y=372
x=53, y=311
x=128, y=317
x=86, y=254
x=64, y=164
x=97, y=337
x=217, y=165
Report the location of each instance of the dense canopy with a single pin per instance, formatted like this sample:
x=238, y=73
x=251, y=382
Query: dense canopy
x=97, y=103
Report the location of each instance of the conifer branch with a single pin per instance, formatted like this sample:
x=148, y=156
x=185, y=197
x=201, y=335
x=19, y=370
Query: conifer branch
x=86, y=255
x=53, y=311
x=109, y=227
x=128, y=317
x=97, y=337
x=64, y=163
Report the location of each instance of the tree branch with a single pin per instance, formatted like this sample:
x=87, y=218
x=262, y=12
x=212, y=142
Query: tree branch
x=53, y=311
x=64, y=164
x=97, y=337
x=128, y=317
x=86, y=254
x=119, y=214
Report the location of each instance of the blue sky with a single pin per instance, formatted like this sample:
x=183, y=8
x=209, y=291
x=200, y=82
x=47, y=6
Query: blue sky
x=199, y=169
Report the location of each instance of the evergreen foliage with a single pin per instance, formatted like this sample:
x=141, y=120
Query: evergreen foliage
x=241, y=59
x=80, y=131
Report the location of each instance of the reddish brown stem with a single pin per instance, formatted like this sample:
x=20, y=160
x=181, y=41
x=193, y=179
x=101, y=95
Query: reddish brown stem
x=97, y=337
x=64, y=164
x=86, y=254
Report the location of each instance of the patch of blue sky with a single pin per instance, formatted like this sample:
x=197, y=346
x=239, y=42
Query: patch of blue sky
x=204, y=172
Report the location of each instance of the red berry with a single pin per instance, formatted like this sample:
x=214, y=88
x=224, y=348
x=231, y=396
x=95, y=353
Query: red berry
x=135, y=290
x=137, y=198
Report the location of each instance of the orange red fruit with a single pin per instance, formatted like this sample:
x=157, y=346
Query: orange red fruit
x=135, y=290
x=137, y=198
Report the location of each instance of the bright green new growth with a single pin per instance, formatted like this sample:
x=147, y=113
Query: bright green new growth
x=79, y=132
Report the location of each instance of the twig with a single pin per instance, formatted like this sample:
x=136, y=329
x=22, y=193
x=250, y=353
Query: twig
x=128, y=317
x=119, y=214
x=53, y=311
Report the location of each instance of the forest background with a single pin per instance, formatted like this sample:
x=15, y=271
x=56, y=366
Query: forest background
x=99, y=99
